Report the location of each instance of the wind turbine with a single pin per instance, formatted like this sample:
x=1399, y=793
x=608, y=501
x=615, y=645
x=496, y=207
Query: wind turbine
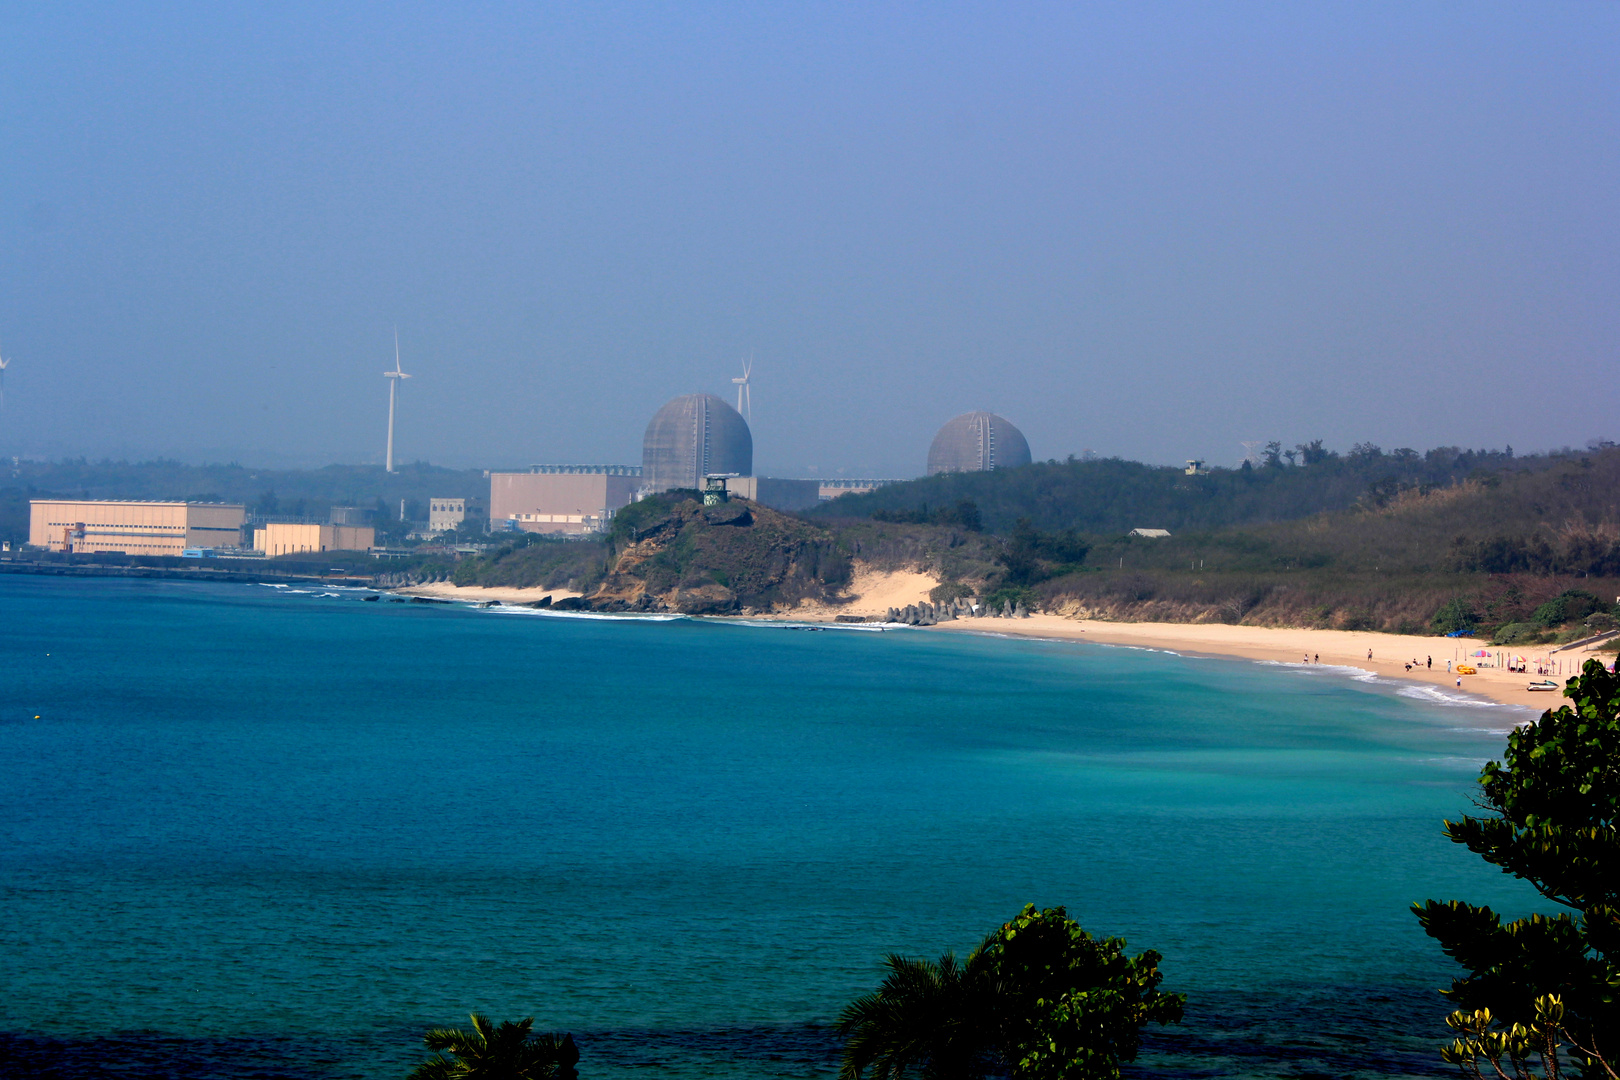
x=743, y=393
x=393, y=378
x=3, y=363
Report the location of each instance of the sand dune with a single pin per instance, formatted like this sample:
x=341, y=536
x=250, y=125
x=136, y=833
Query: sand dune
x=872, y=592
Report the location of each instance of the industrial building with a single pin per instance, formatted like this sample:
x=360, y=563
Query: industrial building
x=350, y=515
x=977, y=442
x=290, y=538
x=789, y=495
x=561, y=499
x=133, y=528
x=839, y=485
x=448, y=515
x=691, y=437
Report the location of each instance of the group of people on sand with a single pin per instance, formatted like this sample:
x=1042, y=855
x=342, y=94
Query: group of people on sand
x=1410, y=664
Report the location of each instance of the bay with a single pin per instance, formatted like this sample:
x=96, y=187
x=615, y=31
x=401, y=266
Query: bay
x=258, y=831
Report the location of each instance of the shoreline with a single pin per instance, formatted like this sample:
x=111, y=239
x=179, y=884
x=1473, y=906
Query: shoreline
x=1343, y=649
x=1335, y=648
x=477, y=594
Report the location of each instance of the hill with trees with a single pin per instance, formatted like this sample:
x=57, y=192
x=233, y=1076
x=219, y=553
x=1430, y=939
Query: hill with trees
x=1115, y=496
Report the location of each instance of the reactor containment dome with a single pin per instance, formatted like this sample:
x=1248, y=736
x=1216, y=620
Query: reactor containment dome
x=977, y=442
x=694, y=436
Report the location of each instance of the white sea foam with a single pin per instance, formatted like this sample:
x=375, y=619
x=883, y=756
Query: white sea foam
x=269, y=585
x=1357, y=673
x=1117, y=645
x=1442, y=697
x=774, y=624
x=552, y=613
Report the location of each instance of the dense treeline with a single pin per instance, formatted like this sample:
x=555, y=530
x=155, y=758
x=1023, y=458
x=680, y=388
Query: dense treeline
x=1115, y=496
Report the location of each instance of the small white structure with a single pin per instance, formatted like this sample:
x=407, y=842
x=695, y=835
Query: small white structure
x=1154, y=534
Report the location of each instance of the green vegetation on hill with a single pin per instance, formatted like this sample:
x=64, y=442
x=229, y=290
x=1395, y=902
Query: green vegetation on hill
x=670, y=552
x=1114, y=496
x=1526, y=550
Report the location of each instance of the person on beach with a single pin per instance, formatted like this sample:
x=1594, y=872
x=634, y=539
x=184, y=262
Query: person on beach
x=1431, y=663
x=1369, y=654
x=1448, y=667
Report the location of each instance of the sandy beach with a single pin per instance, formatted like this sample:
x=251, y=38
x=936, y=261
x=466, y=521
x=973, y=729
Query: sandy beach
x=443, y=590
x=875, y=592
x=1390, y=652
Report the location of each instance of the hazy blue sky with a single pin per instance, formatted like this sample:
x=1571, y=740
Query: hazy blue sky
x=1150, y=230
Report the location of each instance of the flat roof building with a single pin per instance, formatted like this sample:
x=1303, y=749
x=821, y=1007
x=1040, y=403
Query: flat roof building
x=561, y=499
x=447, y=515
x=777, y=493
x=289, y=538
x=132, y=527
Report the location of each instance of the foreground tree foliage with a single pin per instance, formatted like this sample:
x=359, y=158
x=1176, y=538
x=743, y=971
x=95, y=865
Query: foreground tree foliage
x=1542, y=990
x=510, y=1051
x=1040, y=999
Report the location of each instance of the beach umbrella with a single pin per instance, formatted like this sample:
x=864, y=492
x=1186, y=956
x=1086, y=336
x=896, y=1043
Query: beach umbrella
x=1479, y=652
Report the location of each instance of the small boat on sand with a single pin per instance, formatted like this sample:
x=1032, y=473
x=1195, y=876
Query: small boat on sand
x=1542, y=684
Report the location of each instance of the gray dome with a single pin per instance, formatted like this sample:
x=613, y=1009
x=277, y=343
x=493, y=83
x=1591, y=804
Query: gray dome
x=977, y=442
x=692, y=436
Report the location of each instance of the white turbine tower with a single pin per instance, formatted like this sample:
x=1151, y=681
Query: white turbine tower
x=3, y=363
x=393, y=378
x=743, y=393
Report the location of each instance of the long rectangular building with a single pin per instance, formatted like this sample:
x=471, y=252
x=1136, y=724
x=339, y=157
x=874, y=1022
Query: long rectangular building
x=290, y=538
x=133, y=528
x=561, y=498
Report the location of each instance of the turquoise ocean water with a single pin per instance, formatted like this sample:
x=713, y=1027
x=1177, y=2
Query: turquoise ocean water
x=254, y=831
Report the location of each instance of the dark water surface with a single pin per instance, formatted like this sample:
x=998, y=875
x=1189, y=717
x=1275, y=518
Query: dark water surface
x=254, y=832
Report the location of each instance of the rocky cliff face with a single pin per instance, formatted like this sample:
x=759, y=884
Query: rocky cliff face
x=672, y=553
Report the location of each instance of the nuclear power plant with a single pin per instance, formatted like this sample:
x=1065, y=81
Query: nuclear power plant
x=977, y=442
x=696, y=436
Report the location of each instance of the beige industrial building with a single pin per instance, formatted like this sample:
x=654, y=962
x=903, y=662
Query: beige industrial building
x=446, y=515
x=286, y=538
x=561, y=499
x=133, y=528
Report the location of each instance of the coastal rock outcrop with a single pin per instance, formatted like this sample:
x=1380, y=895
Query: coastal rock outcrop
x=669, y=552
